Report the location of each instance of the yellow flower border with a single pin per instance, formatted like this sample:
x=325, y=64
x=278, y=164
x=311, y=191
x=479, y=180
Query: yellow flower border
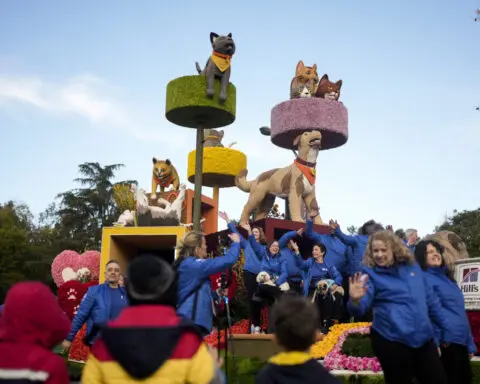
x=321, y=349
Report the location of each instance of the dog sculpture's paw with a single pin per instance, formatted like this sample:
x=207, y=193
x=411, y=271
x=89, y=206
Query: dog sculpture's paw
x=210, y=93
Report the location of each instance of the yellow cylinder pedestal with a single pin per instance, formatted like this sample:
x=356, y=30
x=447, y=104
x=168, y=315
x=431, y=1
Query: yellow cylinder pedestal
x=220, y=166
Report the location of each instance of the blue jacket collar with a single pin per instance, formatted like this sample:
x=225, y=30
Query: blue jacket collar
x=437, y=270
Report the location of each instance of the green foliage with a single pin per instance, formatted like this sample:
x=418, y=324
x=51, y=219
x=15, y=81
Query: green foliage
x=358, y=345
x=465, y=224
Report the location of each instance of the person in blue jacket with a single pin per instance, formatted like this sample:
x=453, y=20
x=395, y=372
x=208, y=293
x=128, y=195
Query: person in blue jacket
x=101, y=303
x=295, y=274
x=275, y=266
x=404, y=306
x=456, y=355
x=336, y=249
x=323, y=283
x=195, y=301
x=252, y=265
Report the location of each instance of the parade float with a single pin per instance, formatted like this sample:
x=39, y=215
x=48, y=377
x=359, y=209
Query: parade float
x=73, y=274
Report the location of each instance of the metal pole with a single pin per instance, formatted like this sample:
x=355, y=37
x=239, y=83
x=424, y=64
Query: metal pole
x=197, y=199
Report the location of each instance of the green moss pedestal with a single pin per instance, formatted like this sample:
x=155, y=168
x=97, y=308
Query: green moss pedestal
x=188, y=106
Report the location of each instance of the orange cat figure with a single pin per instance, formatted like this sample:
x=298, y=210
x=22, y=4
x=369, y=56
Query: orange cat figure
x=328, y=90
x=303, y=75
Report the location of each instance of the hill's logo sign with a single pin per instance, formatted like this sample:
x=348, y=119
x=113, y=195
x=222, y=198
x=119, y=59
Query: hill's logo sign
x=467, y=275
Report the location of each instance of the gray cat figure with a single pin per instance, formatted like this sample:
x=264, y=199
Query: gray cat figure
x=218, y=65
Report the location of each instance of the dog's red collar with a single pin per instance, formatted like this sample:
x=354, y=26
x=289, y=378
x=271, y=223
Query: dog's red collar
x=306, y=163
x=222, y=55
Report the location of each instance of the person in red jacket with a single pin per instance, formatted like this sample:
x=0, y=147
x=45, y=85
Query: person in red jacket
x=31, y=325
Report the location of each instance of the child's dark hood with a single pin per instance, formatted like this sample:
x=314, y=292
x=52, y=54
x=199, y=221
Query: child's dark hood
x=142, y=349
x=31, y=315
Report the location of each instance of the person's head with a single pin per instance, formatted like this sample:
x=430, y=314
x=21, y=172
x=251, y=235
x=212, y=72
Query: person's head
x=295, y=321
x=370, y=227
x=319, y=251
x=151, y=280
x=401, y=234
x=112, y=272
x=384, y=249
x=259, y=235
x=274, y=248
x=193, y=244
x=31, y=315
x=429, y=254
x=411, y=235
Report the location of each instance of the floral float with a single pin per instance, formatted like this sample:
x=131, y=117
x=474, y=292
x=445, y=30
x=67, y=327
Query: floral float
x=321, y=349
x=337, y=360
x=74, y=274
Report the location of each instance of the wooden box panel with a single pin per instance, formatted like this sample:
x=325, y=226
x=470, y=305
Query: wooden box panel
x=124, y=243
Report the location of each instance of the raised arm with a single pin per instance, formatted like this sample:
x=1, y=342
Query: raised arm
x=304, y=265
x=283, y=273
x=232, y=228
x=361, y=295
x=208, y=267
x=286, y=237
x=345, y=239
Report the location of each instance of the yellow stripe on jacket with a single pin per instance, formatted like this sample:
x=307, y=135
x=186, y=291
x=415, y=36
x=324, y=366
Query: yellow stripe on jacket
x=200, y=369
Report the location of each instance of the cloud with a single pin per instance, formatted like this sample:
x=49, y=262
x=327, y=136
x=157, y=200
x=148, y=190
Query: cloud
x=87, y=96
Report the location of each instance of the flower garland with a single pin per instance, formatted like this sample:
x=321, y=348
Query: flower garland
x=321, y=349
x=336, y=360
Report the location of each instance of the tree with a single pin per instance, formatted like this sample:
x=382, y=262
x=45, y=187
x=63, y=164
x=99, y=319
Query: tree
x=352, y=230
x=83, y=212
x=465, y=224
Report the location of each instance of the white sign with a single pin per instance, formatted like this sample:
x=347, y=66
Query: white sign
x=467, y=275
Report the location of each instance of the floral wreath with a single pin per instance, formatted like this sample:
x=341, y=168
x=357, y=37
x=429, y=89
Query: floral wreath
x=336, y=360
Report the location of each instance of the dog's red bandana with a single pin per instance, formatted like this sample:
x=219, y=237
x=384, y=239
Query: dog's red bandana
x=308, y=172
x=163, y=183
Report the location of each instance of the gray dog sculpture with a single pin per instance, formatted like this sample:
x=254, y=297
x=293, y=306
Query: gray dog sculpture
x=218, y=65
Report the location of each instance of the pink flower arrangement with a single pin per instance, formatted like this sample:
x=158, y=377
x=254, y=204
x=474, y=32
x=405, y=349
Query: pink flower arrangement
x=336, y=360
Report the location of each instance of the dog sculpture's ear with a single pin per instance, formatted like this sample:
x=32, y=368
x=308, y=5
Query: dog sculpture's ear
x=339, y=83
x=296, y=141
x=213, y=37
x=229, y=35
x=154, y=160
x=168, y=162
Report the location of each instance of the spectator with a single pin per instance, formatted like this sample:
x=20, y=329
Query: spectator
x=403, y=304
x=195, y=300
x=31, y=325
x=149, y=341
x=455, y=356
x=295, y=321
x=100, y=304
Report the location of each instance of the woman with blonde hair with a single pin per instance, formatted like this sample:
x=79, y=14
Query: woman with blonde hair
x=194, y=269
x=403, y=304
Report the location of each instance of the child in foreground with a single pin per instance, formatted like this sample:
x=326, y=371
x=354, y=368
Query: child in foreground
x=295, y=320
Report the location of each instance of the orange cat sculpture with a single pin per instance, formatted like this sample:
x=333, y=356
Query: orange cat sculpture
x=328, y=90
x=304, y=75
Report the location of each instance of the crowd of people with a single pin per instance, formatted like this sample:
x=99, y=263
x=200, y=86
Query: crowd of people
x=152, y=325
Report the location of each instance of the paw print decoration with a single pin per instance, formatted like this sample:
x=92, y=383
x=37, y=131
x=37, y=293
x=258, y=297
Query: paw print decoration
x=72, y=294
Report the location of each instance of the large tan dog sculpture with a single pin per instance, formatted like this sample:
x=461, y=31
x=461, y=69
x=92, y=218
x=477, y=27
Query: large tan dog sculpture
x=295, y=182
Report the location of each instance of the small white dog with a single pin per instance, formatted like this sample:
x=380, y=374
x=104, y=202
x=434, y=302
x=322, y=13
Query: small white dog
x=265, y=279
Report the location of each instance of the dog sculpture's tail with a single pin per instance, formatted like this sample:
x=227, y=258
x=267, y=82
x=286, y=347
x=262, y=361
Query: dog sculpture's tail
x=241, y=181
x=199, y=70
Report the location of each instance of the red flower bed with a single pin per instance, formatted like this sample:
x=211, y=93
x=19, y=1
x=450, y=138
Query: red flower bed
x=79, y=351
x=474, y=319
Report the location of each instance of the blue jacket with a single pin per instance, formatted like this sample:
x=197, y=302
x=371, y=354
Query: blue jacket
x=328, y=272
x=289, y=256
x=194, y=276
x=94, y=310
x=336, y=249
x=403, y=304
x=274, y=265
x=252, y=262
x=453, y=307
x=358, y=244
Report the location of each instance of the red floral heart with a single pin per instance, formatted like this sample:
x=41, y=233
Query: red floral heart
x=70, y=295
x=67, y=264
